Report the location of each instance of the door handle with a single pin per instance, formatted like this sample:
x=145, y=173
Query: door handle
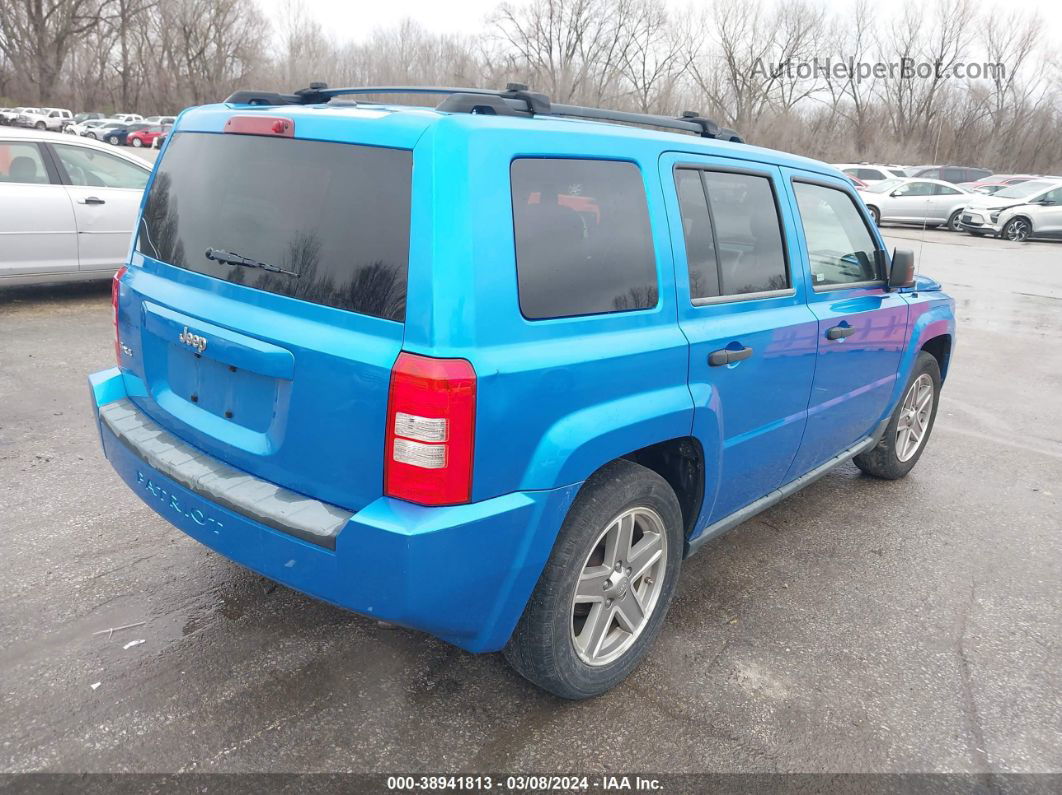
x=91, y=200
x=728, y=356
x=839, y=332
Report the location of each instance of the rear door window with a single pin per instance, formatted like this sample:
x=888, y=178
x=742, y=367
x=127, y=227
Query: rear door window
x=332, y=218
x=582, y=234
x=733, y=236
x=22, y=162
x=841, y=250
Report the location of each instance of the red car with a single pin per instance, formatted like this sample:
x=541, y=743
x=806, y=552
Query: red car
x=147, y=136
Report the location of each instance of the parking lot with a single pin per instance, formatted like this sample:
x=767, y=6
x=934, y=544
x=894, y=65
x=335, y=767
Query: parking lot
x=862, y=625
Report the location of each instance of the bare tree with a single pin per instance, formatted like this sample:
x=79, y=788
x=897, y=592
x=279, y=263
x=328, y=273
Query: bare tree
x=38, y=35
x=658, y=53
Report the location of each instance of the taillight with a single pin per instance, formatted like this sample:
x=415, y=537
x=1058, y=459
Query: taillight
x=116, y=286
x=431, y=413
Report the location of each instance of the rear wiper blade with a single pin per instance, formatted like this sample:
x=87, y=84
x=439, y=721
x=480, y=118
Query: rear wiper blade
x=232, y=258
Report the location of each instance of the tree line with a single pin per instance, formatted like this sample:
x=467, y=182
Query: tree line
x=795, y=75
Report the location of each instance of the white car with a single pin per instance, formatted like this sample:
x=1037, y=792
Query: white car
x=45, y=118
x=163, y=120
x=87, y=128
x=1029, y=209
x=925, y=202
x=127, y=118
x=68, y=206
x=12, y=116
x=869, y=173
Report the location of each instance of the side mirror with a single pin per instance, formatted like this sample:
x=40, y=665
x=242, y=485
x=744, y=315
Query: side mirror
x=902, y=272
x=896, y=193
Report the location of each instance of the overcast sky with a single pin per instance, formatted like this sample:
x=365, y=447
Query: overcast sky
x=358, y=17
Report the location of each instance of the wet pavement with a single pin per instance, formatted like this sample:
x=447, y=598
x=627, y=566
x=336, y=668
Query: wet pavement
x=858, y=626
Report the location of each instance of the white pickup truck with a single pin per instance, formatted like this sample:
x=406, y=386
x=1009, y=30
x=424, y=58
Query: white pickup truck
x=45, y=118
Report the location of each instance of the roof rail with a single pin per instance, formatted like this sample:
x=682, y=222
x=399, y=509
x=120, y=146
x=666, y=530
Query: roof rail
x=515, y=100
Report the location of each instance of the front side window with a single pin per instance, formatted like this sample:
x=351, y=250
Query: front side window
x=945, y=190
x=89, y=168
x=583, y=241
x=1052, y=197
x=840, y=247
x=915, y=189
x=21, y=162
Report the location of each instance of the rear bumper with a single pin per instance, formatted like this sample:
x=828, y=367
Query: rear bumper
x=462, y=573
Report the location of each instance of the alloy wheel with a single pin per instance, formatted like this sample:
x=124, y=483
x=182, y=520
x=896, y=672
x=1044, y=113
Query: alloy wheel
x=1017, y=230
x=915, y=412
x=619, y=586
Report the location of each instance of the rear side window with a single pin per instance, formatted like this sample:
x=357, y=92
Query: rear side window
x=21, y=162
x=733, y=237
x=840, y=247
x=583, y=242
x=334, y=216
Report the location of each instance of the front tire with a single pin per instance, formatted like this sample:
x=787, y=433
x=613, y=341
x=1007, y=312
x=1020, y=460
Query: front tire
x=1017, y=230
x=910, y=426
x=603, y=595
x=113, y=140
x=137, y=143
x=40, y=125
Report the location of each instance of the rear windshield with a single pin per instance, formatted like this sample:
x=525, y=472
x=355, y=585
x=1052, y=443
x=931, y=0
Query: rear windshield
x=334, y=218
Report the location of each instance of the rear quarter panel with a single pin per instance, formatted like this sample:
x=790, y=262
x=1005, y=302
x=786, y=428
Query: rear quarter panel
x=556, y=398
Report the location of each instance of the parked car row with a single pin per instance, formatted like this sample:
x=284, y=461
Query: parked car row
x=869, y=173
x=119, y=129
x=1023, y=209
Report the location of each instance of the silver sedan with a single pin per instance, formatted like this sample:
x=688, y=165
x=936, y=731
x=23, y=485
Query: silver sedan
x=924, y=202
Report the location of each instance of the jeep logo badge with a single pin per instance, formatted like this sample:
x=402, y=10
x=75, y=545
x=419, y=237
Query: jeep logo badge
x=193, y=340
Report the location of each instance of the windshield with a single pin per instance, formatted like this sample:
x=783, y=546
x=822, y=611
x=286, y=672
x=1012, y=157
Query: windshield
x=884, y=186
x=335, y=215
x=1024, y=189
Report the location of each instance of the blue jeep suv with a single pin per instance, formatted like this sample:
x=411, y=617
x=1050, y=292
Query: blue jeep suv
x=493, y=370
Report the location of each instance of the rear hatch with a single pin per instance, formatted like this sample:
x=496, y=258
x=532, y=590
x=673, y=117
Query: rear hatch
x=269, y=306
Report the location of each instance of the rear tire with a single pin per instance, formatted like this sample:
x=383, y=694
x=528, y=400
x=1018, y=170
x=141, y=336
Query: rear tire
x=898, y=451
x=875, y=213
x=580, y=634
x=40, y=125
x=137, y=143
x=113, y=140
x=955, y=221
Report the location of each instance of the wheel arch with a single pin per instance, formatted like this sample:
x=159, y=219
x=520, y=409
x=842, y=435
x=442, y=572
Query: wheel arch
x=681, y=463
x=1019, y=217
x=940, y=348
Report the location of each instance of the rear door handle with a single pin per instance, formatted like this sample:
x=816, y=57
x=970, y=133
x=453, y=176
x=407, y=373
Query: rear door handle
x=91, y=200
x=728, y=356
x=840, y=332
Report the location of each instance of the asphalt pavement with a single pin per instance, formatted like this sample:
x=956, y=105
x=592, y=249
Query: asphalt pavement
x=859, y=626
